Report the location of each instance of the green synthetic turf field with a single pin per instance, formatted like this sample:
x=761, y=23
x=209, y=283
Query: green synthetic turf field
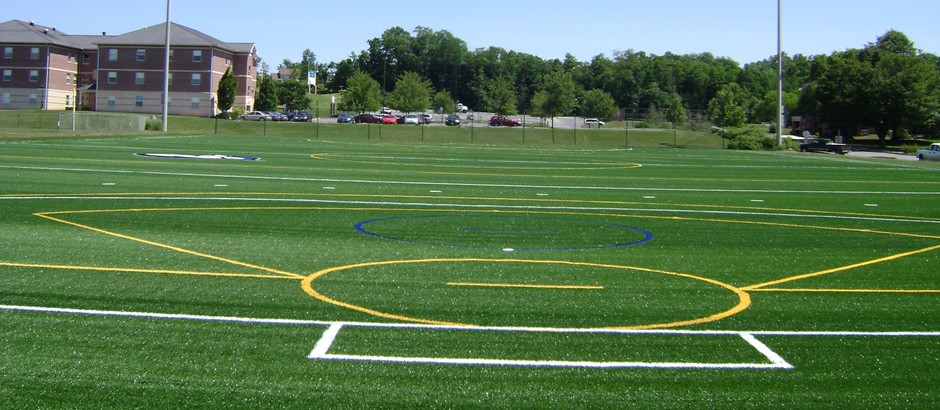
x=376, y=274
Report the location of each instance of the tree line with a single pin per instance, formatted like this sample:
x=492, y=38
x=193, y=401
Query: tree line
x=888, y=85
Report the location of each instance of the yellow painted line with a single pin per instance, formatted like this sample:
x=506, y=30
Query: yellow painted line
x=136, y=270
x=799, y=290
x=170, y=247
x=744, y=299
x=841, y=268
x=512, y=285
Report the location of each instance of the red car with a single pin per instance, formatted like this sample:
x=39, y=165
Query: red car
x=503, y=121
x=389, y=119
x=368, y=119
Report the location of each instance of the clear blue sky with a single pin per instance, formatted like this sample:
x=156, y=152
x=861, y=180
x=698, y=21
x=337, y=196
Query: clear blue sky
x=744, y=30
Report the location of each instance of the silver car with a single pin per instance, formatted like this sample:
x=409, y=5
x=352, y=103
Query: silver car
x=257, y=116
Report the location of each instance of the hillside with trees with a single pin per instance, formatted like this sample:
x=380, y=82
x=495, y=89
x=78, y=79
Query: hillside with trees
x=888, y=86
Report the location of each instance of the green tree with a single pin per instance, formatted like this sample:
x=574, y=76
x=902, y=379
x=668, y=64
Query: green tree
x=362, y=94
x=501, y=96
x=537, y=102
x=227, y=89
x=443, y=100
x=598, y=104
x=266, y=98
x=559, y=94
x=888, y=86
x=294, y=95
x=675, y=112
x=412, y=93
x=730, y=106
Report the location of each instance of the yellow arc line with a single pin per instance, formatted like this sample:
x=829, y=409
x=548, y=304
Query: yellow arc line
x=172, y=248
x=513, y=285
x=841, y=268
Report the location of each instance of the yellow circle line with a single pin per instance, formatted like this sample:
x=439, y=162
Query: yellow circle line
x=744, y=299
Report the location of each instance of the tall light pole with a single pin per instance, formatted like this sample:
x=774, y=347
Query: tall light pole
x=166, y=70
x=779, y=77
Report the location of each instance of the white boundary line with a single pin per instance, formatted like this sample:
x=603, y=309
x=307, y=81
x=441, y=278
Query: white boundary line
x=321, y=348
x=472, y=185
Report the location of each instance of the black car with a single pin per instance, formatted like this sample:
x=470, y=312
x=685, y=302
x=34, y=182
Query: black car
x=452, y=119
x=823, y=145
x=301, y=116
x=346, y=118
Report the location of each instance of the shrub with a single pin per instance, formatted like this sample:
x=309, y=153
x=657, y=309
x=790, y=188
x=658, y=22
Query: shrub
x=750, y=138
x=153, y=125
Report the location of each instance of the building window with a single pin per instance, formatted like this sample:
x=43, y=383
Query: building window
x=71, y=57
x=68, y=100
x=112, y=54
x=86, y=58
x=197, y=79
x=6, y=98
x=195, y=103
x=197, y=56
x=34, y=53
x=112, y=102
x=8, y=52
x=139, y=101
x=7, y=74
x=169, y=79
x=33, y=99
x=112, y=77
x=171, y=55
x=68, y=78
x=139, y=79
x=141, y=54
x=33, y=76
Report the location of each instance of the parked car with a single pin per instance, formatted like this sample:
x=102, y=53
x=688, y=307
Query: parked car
x=593, y=122
x=824, y=145
x=389, y=119
x=503, y=121
x=385, y=110
x=301, y=116
x=368, y=118
x=412, y=119
x=428, y=118
x=276, y=116
x=452, y=119
x=257, y=116
x=932, y=153
x=346, y=118
x=462, y=108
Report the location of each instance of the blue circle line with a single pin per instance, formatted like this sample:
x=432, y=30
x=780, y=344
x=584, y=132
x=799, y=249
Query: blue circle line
x=360, y=227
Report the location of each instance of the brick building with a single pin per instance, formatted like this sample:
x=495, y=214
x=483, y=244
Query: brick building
x=44, y=68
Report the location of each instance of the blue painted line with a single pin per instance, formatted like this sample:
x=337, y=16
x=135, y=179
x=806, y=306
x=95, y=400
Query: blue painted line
x=361, y=227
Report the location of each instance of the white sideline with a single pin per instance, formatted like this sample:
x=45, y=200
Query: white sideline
x=321, y=348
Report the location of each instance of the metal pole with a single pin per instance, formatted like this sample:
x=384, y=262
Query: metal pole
x=166, y=70
x=74, y=103
x=779, y=76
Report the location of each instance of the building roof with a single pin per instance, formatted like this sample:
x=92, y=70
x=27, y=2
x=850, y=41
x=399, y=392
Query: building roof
x=180, y=36
x=21, y=32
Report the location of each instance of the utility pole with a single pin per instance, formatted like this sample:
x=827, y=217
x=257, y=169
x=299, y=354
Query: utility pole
x=166, y=70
